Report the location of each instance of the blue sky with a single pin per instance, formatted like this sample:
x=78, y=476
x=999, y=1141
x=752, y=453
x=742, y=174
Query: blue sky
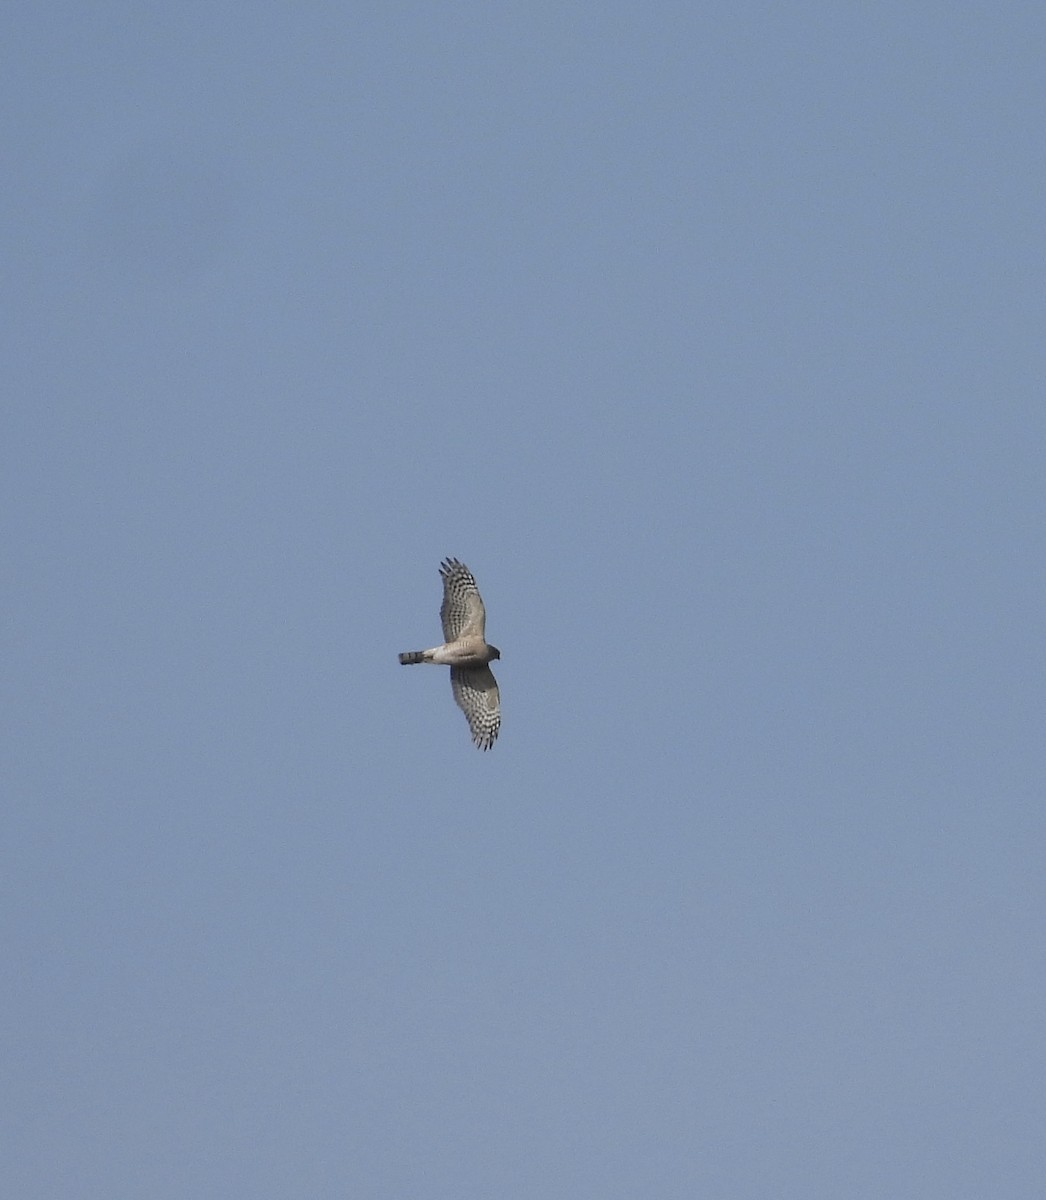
x=711, y=338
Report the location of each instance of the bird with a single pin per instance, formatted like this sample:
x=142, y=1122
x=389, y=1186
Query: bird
x=467, y=652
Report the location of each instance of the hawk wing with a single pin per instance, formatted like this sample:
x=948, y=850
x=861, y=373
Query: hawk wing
x=462, y=611
x=476, y=693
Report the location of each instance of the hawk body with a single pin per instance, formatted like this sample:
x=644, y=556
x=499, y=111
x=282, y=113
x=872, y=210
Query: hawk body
x=467, y=652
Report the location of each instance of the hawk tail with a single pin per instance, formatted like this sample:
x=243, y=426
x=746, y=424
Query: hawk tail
x=415, y=656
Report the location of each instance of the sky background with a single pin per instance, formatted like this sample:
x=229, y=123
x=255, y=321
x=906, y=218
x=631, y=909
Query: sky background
x=712, y=337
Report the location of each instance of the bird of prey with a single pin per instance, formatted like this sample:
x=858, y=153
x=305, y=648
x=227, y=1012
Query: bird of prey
x=467, y=652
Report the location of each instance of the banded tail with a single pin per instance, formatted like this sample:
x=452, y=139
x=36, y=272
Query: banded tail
x=414, y=656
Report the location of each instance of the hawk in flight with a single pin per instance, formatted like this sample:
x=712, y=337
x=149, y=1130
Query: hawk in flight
x=466, y=651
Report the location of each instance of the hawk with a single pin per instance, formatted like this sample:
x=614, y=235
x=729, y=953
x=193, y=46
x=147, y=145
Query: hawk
x=466, y=651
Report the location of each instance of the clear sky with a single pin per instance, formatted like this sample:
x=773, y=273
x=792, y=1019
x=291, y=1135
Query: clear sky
x=712, y=337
